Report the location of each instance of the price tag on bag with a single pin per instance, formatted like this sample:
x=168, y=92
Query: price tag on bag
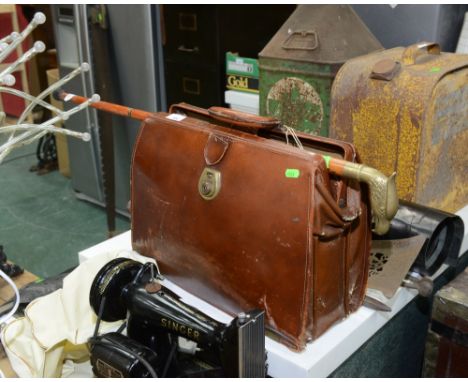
x=176, y=117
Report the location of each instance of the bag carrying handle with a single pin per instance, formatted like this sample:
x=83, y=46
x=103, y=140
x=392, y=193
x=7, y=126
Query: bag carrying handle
x=412, y=52
x=233, y=117
x=241, y=119
x=187, y=108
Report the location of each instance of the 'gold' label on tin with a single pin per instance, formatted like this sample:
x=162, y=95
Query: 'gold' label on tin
x=242, y=83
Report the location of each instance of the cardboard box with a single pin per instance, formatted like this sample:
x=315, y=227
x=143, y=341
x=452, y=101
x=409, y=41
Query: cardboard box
x=241, y=73
x=242, y=101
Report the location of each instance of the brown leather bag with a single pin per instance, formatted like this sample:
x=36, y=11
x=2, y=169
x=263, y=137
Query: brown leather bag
x=239, y=218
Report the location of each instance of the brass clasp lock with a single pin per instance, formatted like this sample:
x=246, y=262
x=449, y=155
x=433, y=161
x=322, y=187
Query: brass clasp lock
x=209, y=183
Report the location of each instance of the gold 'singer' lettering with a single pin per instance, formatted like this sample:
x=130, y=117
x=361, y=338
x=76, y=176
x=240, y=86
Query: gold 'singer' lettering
x=183, y=330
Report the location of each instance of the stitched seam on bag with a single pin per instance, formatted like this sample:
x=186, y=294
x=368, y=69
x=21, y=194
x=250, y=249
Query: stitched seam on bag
x=346, y=266
x=310, y=251
x=132, y=196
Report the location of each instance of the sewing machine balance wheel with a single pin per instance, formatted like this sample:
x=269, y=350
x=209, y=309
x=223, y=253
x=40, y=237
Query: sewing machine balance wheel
x=110, y=283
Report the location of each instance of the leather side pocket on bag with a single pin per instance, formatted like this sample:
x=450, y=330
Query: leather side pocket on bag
x=330, y=246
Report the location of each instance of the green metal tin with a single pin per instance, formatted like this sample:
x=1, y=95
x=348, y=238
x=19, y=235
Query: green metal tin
x=298, y=65
x=298, y=93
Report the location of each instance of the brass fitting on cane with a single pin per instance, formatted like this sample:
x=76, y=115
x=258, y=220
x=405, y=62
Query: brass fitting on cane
x=383, y=194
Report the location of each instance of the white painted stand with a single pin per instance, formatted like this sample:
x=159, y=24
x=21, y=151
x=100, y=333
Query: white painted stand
x=320, y=357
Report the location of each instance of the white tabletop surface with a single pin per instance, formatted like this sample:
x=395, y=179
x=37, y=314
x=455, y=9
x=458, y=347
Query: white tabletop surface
x=322, y=356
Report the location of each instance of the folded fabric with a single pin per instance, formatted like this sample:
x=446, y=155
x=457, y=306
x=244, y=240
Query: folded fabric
x=56, y=327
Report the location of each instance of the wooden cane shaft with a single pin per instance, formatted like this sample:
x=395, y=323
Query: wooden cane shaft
x=112, y=108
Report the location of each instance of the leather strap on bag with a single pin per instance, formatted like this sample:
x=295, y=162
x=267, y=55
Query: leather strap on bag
x=232, y=117
x=240, y=119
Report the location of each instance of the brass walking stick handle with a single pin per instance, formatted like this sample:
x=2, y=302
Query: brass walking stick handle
x=383, y=194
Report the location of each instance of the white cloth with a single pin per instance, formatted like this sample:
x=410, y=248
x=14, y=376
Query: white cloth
x=50, y=341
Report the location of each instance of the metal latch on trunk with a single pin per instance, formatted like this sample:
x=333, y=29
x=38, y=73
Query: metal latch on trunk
x=209, y=183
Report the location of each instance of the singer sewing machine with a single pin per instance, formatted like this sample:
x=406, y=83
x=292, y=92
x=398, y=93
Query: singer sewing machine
x=166, y=337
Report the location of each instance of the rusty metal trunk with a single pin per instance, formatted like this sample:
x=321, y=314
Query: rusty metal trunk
x=406, y=110
x=298, y=65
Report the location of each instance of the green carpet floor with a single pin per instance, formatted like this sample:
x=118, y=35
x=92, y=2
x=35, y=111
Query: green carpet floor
x=42, y=224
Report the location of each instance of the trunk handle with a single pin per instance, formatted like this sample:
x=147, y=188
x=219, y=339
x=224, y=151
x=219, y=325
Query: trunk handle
x=288, y=43
x=412, y=52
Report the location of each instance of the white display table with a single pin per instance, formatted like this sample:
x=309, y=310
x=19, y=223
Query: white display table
x=320, y=357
